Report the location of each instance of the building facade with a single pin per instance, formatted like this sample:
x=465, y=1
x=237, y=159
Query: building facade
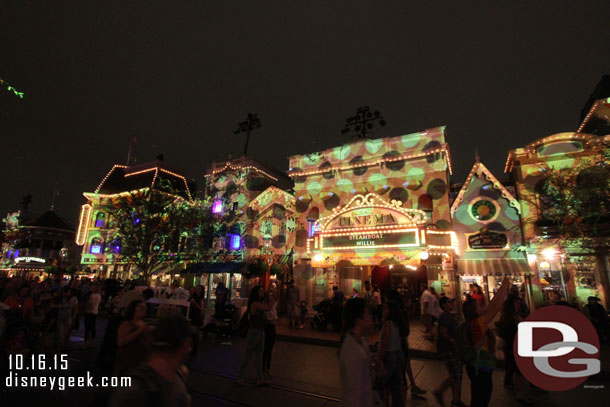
x=374, y=209
x=95, y=230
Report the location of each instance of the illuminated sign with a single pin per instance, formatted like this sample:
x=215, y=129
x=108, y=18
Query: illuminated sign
x=375, y=239
x=29, y=260
x=487, y=240
x=83, y=224
x=373, y=219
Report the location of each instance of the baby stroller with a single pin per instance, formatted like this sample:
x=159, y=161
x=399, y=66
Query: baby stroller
x=322, y=319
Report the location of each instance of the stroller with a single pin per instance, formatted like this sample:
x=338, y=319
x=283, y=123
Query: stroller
x=322, y=319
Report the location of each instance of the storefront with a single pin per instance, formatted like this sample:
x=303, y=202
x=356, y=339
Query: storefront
x=370, y=239
x=210, y=275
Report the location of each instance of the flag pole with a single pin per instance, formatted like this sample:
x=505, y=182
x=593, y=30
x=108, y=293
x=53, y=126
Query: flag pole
x=129, y=150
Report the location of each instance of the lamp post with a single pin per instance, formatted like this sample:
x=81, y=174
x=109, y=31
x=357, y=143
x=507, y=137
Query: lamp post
x=251, y=123
x=362, y=121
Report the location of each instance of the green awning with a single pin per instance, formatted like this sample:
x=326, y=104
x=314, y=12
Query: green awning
x=207, y=268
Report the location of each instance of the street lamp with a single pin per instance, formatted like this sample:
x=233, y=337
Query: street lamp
x=363, y=121
x=251, y=123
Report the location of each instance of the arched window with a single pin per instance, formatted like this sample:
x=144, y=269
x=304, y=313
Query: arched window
x=100, y=220
x=96, y=246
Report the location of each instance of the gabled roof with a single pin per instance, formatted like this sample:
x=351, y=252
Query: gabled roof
x=479, y=169
x=259, y=200
x=122, y=178
x=50, y=220
x=597, y=121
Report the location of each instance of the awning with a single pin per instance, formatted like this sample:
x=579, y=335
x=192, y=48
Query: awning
x=207, y=268
x=493, y=267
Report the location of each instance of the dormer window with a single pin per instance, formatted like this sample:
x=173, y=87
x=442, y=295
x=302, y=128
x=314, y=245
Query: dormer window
x=100, y=220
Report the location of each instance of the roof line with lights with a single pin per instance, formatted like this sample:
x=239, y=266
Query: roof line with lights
x=156, y=169
x=479, y=168
x=229, y=166
x=274, y=189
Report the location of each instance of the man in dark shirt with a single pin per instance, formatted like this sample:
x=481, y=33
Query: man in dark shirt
x=447, y=349
x=222, y=295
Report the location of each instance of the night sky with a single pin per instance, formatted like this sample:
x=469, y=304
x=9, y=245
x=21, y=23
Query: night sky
x=182, y=74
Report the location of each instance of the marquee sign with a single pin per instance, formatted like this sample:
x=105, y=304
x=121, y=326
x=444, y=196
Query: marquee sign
x=83, y=224
x=368, y=222
x=370, y=240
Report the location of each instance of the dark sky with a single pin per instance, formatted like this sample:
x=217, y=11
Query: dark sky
x=181, y=74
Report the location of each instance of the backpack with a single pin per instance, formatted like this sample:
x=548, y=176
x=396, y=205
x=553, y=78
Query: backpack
x=476, y=357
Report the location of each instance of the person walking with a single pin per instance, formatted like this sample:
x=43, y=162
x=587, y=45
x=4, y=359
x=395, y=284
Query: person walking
x=196, y=311
x=270, y=330
x=481, y=342
x=222, y=296
x=507, y=330
x=477, y=293
x=448, y=351
x=292, y=300
x=336, y=308
x=429, y=312
x=356, y=363
x=91, y=311
x=134, y=338
x=394, y=296
x=390, y=353
x=255, y=339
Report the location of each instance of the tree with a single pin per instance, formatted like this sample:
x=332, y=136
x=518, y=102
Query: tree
x=147, y=226
x=574, y=210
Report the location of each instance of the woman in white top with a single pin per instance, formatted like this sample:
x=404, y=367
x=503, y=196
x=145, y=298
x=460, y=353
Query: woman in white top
x=270, y=330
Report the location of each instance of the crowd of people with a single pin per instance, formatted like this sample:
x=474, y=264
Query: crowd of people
x=39, y=317
x=465, y=342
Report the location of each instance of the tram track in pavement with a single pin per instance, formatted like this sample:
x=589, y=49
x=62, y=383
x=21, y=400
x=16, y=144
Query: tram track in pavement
x=226, y=376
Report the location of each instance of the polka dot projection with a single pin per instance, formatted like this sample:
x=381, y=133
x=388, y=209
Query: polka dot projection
x=278, y=241
x=345, y=185
x=394, y=165
x=410, y=140
x=358, y=170
x=314, y=188
x=373, y=146
x=342, y=153
x=251, y=242
x=301, y=237
x=279, y=212
x=257, y=184
x=432, y=146
x=329, y=174
x=399, y=194
x=314, y=213
x=331, y=202
x=404, y=180
x=437, y=188
x=302, y=205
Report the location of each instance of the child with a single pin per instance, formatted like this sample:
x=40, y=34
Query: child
x=303, y=307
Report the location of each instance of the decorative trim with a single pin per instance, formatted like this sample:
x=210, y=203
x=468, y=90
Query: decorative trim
x=372, y=200
x=479, y=168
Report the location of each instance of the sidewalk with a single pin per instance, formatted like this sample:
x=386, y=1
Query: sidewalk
x=418, y=345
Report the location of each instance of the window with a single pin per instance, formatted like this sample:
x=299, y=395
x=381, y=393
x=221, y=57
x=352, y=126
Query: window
x=484, y=210
x=234, y=242
x=100, y=220
x=217, y=208
x=96, y=246
x=235, y=206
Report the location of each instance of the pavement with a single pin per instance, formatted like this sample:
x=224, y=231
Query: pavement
x=304, y=375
